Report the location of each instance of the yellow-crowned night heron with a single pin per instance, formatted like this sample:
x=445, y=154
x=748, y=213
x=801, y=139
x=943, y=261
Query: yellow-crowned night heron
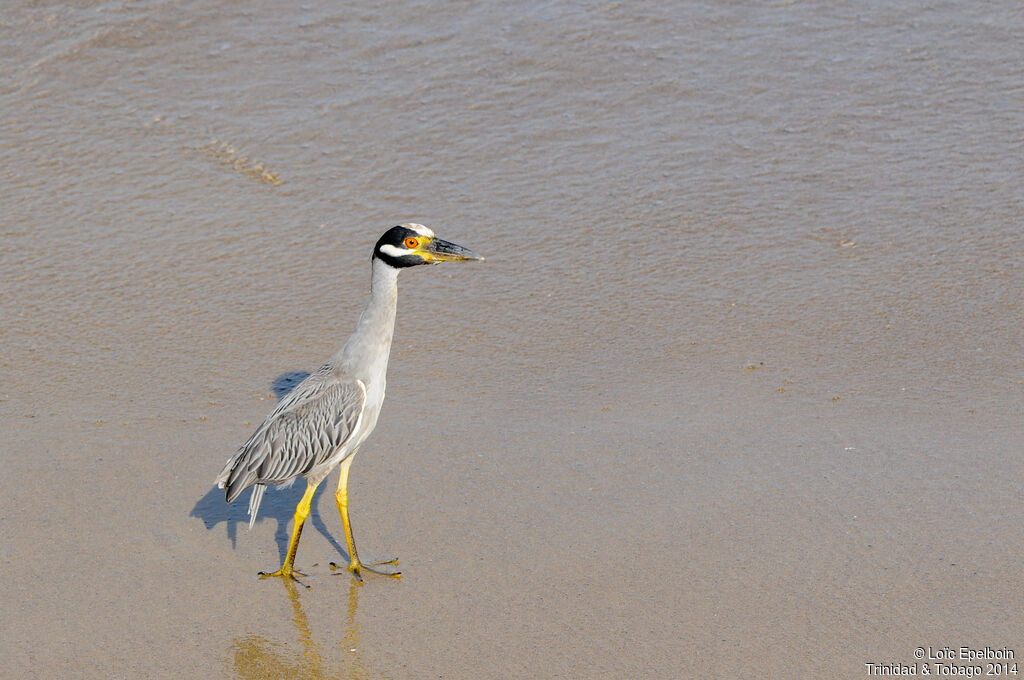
x=324, y=420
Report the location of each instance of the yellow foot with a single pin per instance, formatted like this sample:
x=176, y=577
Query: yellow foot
x=286, y=574
x=355, y=566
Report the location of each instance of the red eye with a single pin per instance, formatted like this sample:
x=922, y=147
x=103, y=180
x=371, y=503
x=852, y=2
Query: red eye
x=411, y=243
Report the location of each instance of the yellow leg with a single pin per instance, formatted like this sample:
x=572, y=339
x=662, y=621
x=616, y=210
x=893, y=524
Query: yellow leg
x=287, y=569
x=354, y=565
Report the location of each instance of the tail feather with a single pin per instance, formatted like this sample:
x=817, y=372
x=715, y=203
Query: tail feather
x=234, y=484
x=254, y=502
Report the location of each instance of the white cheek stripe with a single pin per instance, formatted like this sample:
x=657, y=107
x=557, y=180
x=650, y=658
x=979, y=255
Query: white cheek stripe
x=394, y=251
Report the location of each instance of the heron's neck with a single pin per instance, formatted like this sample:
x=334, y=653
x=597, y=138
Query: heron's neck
x=365, y=355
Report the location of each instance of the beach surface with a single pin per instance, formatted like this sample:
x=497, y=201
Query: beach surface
x=738, y=391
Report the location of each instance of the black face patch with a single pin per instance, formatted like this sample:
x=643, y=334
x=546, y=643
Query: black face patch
x=395, y=236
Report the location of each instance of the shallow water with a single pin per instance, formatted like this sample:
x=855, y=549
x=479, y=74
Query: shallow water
x=738, y=389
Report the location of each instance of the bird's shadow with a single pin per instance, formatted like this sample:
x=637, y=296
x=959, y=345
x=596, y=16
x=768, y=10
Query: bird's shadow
x=278, y=504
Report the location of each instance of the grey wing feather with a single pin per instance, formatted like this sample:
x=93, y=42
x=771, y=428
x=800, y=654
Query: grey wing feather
x=306, y=429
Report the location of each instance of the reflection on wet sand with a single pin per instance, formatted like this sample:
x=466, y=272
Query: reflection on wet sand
x=256, y=657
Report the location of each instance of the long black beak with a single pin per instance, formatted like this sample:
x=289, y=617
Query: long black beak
x=439, y=250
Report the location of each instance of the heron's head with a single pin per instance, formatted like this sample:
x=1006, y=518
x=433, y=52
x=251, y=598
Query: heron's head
x=408, y=245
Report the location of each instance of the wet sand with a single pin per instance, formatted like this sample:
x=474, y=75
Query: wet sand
x=738, y=391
